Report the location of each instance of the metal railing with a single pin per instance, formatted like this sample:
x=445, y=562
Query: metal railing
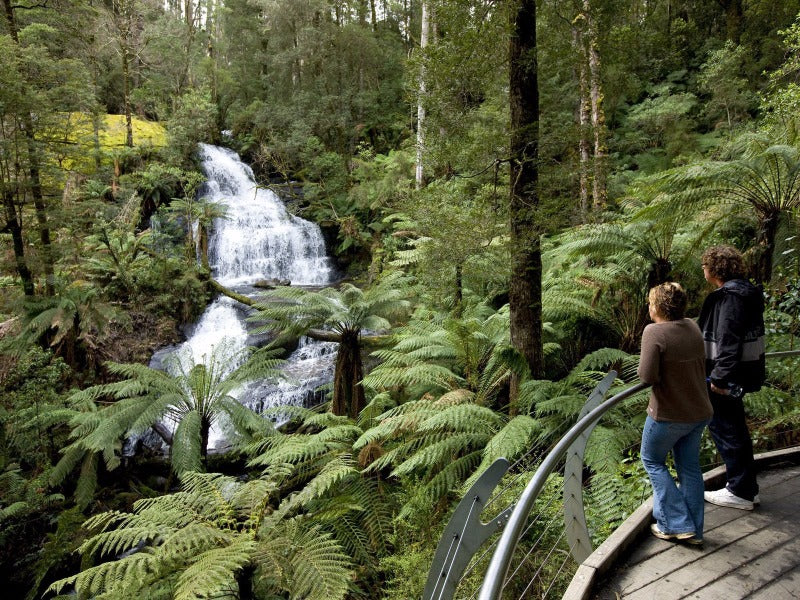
x=465, y=533
x=501, y=560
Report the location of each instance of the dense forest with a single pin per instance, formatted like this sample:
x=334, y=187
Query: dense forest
x=498, y=184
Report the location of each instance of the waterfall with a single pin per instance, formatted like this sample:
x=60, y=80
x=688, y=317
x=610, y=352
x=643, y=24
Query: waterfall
x=257, y=239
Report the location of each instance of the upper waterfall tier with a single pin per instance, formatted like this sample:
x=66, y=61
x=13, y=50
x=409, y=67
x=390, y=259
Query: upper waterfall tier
x=258, y=239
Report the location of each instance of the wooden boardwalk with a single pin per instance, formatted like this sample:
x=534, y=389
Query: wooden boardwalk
x=746, y=554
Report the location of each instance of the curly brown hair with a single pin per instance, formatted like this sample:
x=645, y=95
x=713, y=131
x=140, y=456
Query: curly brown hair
x=669, y=300
x=724, y=262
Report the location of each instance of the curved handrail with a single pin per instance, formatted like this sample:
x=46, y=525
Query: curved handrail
x=501, y=559
x=495, y=574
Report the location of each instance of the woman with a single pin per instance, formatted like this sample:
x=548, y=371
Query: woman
x=673, y=362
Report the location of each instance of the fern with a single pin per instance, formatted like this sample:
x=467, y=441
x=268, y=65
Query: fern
x=214, y=571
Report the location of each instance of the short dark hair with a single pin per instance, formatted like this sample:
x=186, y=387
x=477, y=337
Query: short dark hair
x=724, y=262
x=669, y=299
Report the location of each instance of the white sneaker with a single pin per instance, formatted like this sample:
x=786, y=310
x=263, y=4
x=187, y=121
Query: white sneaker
x=724, y=497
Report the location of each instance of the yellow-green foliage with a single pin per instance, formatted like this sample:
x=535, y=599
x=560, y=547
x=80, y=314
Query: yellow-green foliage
x=76, y=129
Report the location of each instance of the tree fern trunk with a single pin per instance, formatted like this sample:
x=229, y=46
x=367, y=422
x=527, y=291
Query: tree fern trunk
x=765, y=246
x=205, y=427
x=348, y=394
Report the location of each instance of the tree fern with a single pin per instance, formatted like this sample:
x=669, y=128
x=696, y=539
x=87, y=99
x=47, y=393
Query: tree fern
x=198, y=542
x=310, y=559
x=343, y=315
x=194, y=399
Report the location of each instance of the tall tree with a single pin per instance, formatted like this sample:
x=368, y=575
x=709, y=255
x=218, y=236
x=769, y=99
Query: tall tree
x=423, y=43
x=599, y=191
x=34, y=167
x=525, y=290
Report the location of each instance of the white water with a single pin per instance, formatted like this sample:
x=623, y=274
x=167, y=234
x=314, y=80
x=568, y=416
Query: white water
x=258, y=239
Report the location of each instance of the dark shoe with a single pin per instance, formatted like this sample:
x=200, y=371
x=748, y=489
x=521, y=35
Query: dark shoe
x=694, y=541
x=671, y=536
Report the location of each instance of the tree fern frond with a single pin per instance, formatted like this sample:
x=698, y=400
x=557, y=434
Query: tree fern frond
x=440, y=453
x=321, y=567
x=186, y=444
x=468, y=418
x=87, y=479
x=331, y=475
x=449, y=478
x=213, y=574
x=511, y=442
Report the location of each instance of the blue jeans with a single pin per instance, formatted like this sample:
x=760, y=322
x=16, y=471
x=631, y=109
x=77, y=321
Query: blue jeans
x=676, y=509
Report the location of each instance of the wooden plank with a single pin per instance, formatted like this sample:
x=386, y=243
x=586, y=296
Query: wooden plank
x=727, y=548
x=762, y=573
x=759, y=543
x=787, y=587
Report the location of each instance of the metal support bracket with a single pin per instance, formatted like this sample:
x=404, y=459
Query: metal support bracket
x=577, y=531
x=464, y=534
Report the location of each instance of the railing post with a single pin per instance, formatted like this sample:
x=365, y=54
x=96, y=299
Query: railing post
x=464, y=534
x=576, y=529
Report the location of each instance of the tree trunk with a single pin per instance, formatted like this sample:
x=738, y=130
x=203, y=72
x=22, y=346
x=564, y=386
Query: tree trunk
x=459, y=295
x=203, y=233
x=583, y=124
x=205, y=428
x=14, y=227
x=34, y=173
x=599, y=191
x=734, y=15
x=348, y=393
x=765, y=247
x=525, y=289
x=126, y=91
x=423, y=43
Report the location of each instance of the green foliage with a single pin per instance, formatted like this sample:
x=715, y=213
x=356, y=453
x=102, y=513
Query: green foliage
x=721, y=77
x=116, y=261
x=72, y=323
x=194, y=120
x=33, y=395
x=214, y=538
x=469, y=357
x=194, y=398
x=320, y=478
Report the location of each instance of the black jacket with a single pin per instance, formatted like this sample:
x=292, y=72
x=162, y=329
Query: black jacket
x=732, y=322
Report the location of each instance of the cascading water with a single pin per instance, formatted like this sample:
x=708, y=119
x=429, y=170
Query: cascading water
x=258, y=239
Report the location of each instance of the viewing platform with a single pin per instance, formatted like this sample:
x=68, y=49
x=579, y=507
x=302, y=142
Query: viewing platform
x=746, y=554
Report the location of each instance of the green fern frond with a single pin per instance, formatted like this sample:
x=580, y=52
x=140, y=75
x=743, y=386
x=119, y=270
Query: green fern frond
x=321, y=568
x=186, y=444
x=441, y=453
x=467, y=418
x=448, y=479
x=87, y=479
x=330, y=476
x=511, y=442
x=213, y=573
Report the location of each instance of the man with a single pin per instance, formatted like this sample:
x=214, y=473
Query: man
x=732, y=322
